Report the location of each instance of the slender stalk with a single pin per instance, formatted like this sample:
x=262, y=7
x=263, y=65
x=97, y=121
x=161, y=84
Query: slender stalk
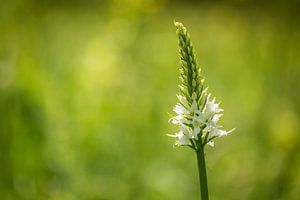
x=202, y=172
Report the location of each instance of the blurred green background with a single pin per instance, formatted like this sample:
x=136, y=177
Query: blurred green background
x=86, y=89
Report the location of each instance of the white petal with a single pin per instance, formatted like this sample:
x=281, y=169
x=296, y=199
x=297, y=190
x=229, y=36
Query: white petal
x=218, y=132
x=230, y=131
x=211, y=107
x=216, y=118
x=183, y=100
x=221, y=133
x=205, y=130
x=179, y=119
x=199, y=117
x=173, y=120
x=172, y=135
x=179, y=109
x=183, y=139
x=211, y=143
x=196, y=132
x=184, y=129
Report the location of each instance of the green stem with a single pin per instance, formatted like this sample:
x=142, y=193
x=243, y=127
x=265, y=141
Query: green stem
x=202, y=172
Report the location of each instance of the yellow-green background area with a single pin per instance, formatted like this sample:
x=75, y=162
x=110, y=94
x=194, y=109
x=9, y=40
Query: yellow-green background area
x=87, y=88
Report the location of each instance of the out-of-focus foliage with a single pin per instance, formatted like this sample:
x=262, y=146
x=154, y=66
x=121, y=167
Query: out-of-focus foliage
x=86, y=87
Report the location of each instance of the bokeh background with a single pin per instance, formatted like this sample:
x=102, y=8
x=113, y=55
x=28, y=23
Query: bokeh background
x=87, y=88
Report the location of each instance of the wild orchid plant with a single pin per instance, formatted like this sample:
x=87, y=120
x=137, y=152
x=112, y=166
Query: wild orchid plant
x=197, y=114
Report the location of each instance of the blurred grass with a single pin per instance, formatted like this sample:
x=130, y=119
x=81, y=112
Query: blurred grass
x=86, y=88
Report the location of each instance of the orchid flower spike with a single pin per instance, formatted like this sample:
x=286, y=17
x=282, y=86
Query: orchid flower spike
x=197, y=114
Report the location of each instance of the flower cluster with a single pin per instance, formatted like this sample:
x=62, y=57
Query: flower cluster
x=197, y=114
x=194, y=122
